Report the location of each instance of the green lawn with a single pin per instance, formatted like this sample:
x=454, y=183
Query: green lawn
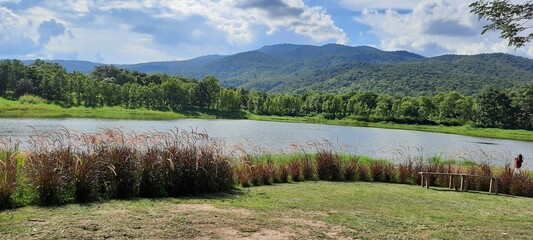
x=14, y=109
x=306, y=210
x=461, y=130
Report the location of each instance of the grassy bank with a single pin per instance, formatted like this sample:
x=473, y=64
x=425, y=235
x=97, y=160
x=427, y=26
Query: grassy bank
x=307, y=210
x=15, y=109
x=460, y=130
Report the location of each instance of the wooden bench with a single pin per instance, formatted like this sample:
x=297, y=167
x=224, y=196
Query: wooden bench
x=493, y=187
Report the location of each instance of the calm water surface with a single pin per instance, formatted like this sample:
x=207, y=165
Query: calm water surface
x=277, y=137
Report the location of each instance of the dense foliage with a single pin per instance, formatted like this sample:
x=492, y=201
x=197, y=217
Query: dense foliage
x=112, y=86
x=334, y=68
x=337, y=68
x=510, y=18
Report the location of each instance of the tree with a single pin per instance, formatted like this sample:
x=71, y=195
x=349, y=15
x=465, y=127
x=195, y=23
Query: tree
x=256, y=102
x=511, y=19
x=175, y=93
x=494, y=108
x=229, y=100
x=408, y=109
x=426, y=109
x=523, y=100
x=206, y=92
x=362, y=103
x=384, y=107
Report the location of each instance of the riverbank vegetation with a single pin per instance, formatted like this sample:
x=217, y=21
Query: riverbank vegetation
x=67, y=167
x=109, y=86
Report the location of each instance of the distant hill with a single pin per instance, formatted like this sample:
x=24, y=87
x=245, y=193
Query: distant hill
x=333, y=68
x=465, y=74
x=72, y=65
x=172, y=67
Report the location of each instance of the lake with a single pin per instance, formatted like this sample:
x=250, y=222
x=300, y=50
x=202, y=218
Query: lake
x=275, y=137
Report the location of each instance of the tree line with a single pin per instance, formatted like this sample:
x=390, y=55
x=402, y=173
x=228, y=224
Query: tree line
x=112, y=86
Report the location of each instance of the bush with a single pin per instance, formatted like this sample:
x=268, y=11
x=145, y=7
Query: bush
x=283, y=173
x=30, y=99
x=87, y=170
x=377, y=169
x=407, y=173
x=295, y=169
x=193, y=169
x=328, y=166
x=362, y=173
x=49, y=173
x=350, y=170
x=214, y=172
x=506, y=179
x=8, y=176
x=390, y=174
x=125, y=168
x=243, y=174
x=308, y=168
x=153, y=177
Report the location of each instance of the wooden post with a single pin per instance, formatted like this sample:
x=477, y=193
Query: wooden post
x=427, y=181
x=422, y=179
x=450, y=185
x=466, y=184
x=462, y=182
x=493, y=188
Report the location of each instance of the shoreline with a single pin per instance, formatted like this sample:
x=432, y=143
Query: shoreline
x=14, y=109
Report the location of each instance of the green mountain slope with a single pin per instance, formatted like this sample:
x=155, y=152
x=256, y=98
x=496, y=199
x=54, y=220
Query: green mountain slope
x=333, y=68
x=465, y=74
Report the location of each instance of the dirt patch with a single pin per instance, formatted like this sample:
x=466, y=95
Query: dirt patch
x=313, y=227
x=171, y=221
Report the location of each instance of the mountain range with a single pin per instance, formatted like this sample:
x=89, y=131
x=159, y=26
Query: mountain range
x=334, y=68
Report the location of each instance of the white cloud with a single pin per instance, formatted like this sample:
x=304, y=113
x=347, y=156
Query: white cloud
x=13, y=36
x=167, y=27
x=434, y=27
x=360, y=5
x=104, y=45
x=233, y=17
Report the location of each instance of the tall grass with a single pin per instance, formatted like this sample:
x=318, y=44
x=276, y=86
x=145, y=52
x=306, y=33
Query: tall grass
x=87, y=171
x=328, y=165
x=30, y=99
x=8, y=172
x=68, y=166
x=125, y=164
x=153, y=173
x=195, y=164
x=50, y=173
x=350, y=169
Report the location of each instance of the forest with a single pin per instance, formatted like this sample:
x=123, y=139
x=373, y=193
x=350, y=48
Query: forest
x=109, y=85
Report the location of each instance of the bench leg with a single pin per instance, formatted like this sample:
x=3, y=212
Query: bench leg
x=450, y=185
x=493, y=186
x=422, y=180
x=464, y=183
x=427, y=181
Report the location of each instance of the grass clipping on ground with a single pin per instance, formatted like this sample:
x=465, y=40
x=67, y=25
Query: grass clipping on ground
x=306, y=210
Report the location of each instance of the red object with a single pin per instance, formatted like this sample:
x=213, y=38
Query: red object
x=518, y=163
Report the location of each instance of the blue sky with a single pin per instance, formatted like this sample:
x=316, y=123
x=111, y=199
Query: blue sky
x=128, y=31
